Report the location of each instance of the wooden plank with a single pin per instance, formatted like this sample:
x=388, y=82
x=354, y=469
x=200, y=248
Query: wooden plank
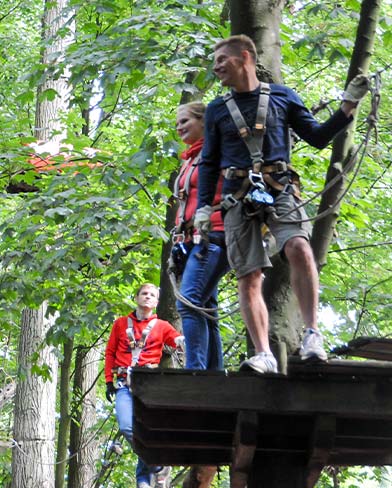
x=367, y=347
x=177, y=419
x=188, y=418
x=170, y=456
x=271, y=394
x=245, y=442
x=181, y=440
x=361, y=457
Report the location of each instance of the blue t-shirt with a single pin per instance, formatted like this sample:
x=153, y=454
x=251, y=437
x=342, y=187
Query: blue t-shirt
x=223, y=147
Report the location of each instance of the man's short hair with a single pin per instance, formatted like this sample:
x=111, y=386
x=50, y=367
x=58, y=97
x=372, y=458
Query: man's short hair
x=237, y=44
x=147, y=285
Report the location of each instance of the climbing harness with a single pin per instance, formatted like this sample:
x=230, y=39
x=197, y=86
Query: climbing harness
x=253, y=188
x=184, y=229
x=124, y=372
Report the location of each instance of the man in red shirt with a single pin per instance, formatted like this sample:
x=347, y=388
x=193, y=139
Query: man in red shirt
x=137, y=340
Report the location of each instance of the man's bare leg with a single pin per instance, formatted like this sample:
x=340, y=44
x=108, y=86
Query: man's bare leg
x=304, y=278
x=305, y=283
x=253, y=310
x=255, y=315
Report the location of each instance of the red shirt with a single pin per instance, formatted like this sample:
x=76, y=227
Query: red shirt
x=118, y=351
x=191, y=198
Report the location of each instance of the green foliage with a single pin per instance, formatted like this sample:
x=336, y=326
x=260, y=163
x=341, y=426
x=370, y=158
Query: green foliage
x=91, y=233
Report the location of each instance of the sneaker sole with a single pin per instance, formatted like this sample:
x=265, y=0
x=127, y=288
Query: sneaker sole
x=313, y=358
x=247, y=367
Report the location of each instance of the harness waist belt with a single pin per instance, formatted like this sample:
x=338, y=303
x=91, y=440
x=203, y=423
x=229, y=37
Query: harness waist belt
x=233, y=173
x=122, y=371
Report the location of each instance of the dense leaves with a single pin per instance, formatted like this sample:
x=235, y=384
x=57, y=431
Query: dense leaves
x=90, y=233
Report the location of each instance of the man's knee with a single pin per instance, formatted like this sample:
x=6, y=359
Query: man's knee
x=249, y=286
x=298, y=248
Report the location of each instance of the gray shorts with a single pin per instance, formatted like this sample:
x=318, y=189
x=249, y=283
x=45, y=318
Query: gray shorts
x=246, y=250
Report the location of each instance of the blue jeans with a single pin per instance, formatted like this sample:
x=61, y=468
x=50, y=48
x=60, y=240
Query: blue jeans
x=124, y=412
x=206, y=265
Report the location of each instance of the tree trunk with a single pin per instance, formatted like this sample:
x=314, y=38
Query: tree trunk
x=83, y=445
x=34, y=413
x=65, y=418
x=34, y=419
x=47, y=118
x=342, y=145
x=260, y=20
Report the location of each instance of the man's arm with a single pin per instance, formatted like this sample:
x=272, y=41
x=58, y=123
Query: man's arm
x=110, y=354
x=319, y=135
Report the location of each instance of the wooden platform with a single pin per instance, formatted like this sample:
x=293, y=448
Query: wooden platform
x=379, y=348
x=339, y=413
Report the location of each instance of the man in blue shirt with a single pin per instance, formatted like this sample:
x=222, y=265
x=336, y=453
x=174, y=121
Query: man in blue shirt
x=225, y=151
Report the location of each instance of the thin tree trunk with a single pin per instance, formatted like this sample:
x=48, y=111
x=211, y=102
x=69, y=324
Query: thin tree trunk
x=34, y=413
x=34, y=419
x=342, y=146
x=65, y=419
x=83, y=445
x=47, y=119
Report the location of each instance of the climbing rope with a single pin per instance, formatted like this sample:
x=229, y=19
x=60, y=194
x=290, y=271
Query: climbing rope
x=205, y=312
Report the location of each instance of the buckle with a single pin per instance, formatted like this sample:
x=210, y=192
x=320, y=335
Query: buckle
x=289, y=189
x=231, y=173
x=178, y=237
x=256, y=179
x=243, y=132
x=228, y=202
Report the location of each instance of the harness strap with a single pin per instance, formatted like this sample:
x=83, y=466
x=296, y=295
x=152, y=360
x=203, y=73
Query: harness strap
x=253, y=138
x=137, y=346
x=182, y=193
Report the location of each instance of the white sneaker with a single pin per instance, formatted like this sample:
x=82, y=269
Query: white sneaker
x=263, y=362
x=312, y=346
x=162, y=478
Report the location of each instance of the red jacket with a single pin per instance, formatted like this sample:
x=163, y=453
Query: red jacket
x=118, y=351
x=191, y=198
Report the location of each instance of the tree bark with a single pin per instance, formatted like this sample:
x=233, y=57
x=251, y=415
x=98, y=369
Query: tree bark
x=343, y=143
x=34, y=413
x=260, y=20
x=33, y=459
x=65, y=418
x=48, y=112
x=83, y=445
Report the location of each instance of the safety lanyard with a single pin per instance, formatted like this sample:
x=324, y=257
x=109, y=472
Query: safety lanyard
x=137, y=346
x=253, y=138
